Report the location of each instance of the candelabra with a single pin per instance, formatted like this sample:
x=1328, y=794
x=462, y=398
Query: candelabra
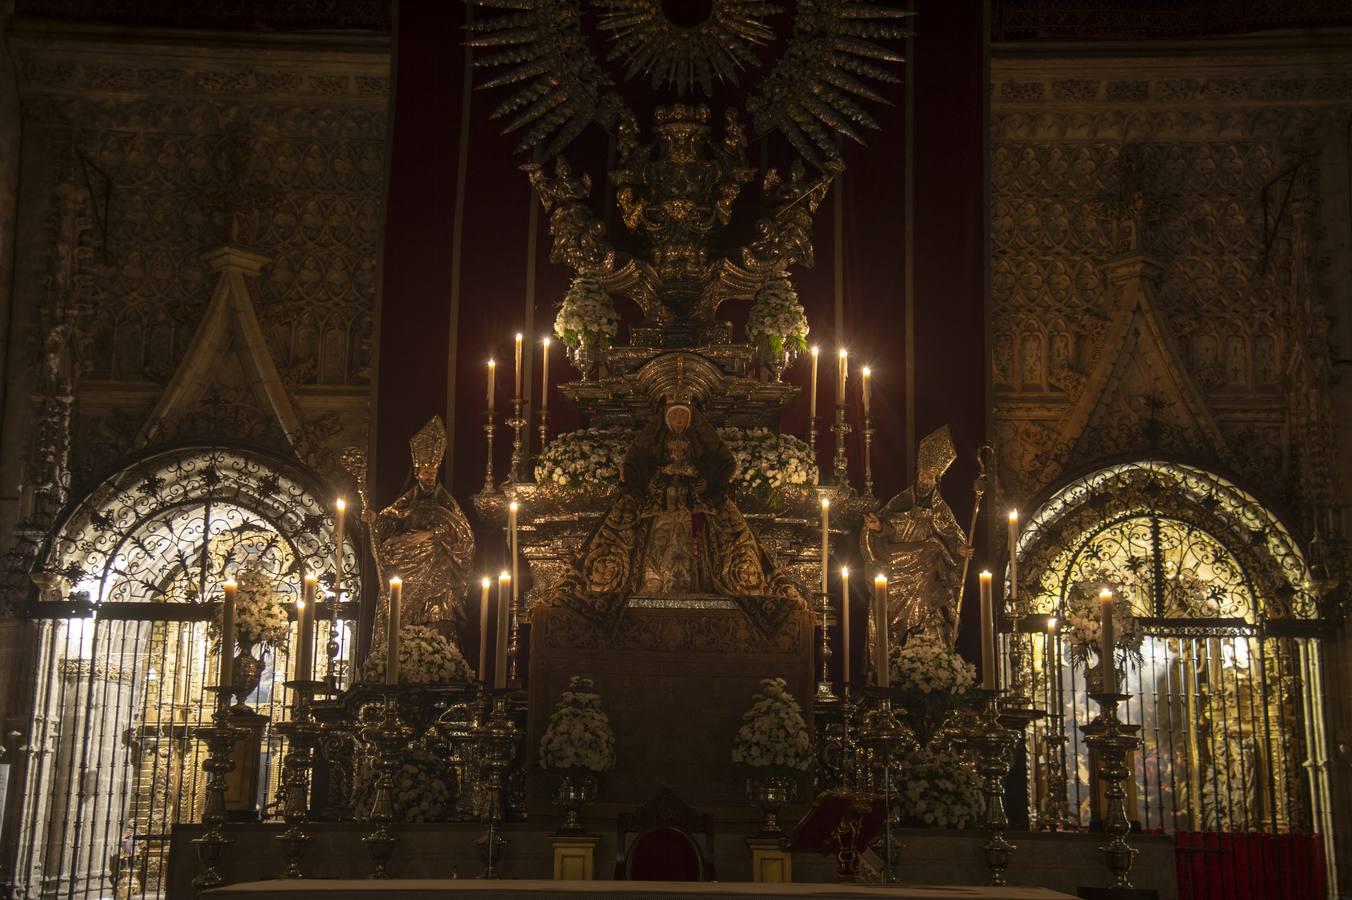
x=496, y=739
x=302, y=735
x=994, y=744
x=887, y=741
x=868, y=455
x=387, y=737
x=842, y=462
x=490, y=426
x=456, y=728
x=825, y=693
x=517, y=423
x=220, y=738
x=1111, y=740
x=1056, y=816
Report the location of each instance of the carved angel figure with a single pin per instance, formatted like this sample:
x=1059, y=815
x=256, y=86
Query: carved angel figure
x=425, y=539
x=918, y=543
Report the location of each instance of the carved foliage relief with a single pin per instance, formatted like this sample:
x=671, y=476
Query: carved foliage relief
x=1191, y=173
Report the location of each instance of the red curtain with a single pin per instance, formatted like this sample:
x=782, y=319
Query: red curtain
x=1250, y=866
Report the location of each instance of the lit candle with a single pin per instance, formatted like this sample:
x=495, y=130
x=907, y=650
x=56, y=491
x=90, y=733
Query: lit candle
x=512, y=509
x=544, y=376
x=987, y=632
x=868, y=389
x=305, y=629
x=338, y=537
x=845, y=624
x=826, y=540
x=492, y=380
x=842, y=375
x=1013, y=554
x=483, y=630
x=228, y=636
x=518, y=365
x=500, y=657
x=812, y=388
x=880, y=629
x=1107, y=643
x=392, y=633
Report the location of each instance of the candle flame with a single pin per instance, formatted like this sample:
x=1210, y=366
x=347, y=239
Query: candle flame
x=513, y=506
x=1013, y=515
x=396, y=581
x=880, y=580
x=816, y=351
x=546, y=343
x=1105, y=594
x=867, y=371
x=311, y=578
x=300, y=604
x=492, y=363
x=844, y=571
x=518, y=337
x=342, y=504
x=844, y=353
x=1051, y=623
x=231, y=585
x=826, y=503
x=985, y=575
x=487, y=581
x=504, y=576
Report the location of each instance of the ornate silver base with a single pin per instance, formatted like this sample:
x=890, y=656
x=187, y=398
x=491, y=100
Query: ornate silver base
x=1111, y=740
x=994, y=744
x=388, y=737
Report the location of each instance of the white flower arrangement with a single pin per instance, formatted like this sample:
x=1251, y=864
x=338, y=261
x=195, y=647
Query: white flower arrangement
x=940, y=789
x=579, y=735
x=422, y=791
x=930, y=669
x=777, y=321
x=768, y=462
x=586, y=312
x=773, y=734
x=425, y=657
x=1083, y=625
x=589, y=458
x=261, y=615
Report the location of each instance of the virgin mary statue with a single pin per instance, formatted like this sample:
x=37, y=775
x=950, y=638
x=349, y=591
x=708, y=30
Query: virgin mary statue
x=675, y=531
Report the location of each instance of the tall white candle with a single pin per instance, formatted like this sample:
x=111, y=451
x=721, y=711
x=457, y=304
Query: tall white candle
x=842, y=376
x=338, y=537
x=812, y=388
x=1013, y=554
x=826, y=542
x=483, y=630
x=512, y=509
x=392, y=632
x=1107, y=643
x=544, y=375
x=868, y=389
x=228, y=633
x=518, y=366
x=987, y=632
x=845, y=625
x=492, y=380
x=305, y=629
x=500, y=656
x=884, y=670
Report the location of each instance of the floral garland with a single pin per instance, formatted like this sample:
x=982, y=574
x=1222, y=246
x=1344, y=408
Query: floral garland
x=261, y=615
x=1083, y=625
x=579, y=735
x=768, y=463
x=589, y=458
x=586, y=312
x=422, y=791
x=777, y=321
x=940, y=789
x=773, y=734
x=425, y=657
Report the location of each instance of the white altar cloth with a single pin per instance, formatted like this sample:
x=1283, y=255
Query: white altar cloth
x=473, y=889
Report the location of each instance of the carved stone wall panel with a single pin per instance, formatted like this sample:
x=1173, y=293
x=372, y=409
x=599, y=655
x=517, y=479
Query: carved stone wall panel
x=1187, y=161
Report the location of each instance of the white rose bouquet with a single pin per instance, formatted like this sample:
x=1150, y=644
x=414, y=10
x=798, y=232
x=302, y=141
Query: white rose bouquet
x=579, y=735
x=933, y=681
x=1083, y=626
x=939, y=789
x=261, y=615
x=773, y=734
x=586, y=459
x=425, y=657
x=768, y=463
x=587, y=313
x=777, y=322
x=422, y=789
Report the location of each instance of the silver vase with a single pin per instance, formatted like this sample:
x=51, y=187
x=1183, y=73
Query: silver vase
x=770, y=792
x=576, y=789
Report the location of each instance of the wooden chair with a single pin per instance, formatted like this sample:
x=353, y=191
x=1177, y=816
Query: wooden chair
x=665, y=845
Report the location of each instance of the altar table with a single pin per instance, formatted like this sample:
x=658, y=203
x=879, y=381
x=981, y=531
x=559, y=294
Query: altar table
x=619, y=890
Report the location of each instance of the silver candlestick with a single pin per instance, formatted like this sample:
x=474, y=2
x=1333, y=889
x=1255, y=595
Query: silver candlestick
x=887, y=741
x=517, y=423
x=302, y=735
x=994, y=744
x=490, y=426
x=220, y=738
x=868, y=455
x=1112, y=740
x=387, y=737
x=842, y=462
x=825, y=692
x=497, y=738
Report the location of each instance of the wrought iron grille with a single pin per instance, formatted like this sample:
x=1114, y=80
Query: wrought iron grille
x=124, y=650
